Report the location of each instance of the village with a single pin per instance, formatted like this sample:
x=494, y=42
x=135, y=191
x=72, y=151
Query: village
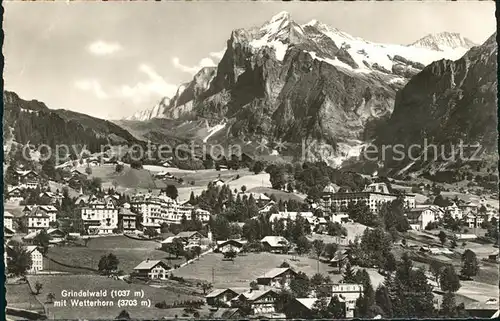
x=251, y=255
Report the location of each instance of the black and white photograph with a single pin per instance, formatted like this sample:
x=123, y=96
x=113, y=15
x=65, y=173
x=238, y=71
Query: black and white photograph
x=190, y=160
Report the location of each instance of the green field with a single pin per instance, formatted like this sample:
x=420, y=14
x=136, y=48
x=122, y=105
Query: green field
x=129, y=252
x=19, y=296
x=246, y=268
x=56, y=283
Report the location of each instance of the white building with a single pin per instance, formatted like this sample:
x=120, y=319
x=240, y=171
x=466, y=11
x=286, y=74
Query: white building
x=36, y=219
x=374, y=196
x=418, y=218
x=7, y=220
x=160, y=209
x=349, y=292
x=100, y=216
x=152, y=269
x=454, y=211
x=50, y=210
x=36, y=259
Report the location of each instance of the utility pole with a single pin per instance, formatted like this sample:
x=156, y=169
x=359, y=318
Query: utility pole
x=213, y=275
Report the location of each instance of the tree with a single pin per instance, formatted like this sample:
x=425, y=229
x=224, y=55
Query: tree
x=50, y=297
x=38, y=287
x=176, y=247
x=119, y=168
x=470, y=264
x=231, y=255
x=42, y=240
x=331, y=250
x=171, y=191
x=450, y=310
x=383, y=300
x=258, y=167
x=453, y=241
x=318, y=247
x=435, y=268
x=19, y=260
x=303, y=245
x=390, y=263
x=205, y=286
x=349, y=276
x=151, y=232
x=88, y=170
x=188, y=255
x=243, y=188
x=197, y=251
x=254, y=286
x=108, y=264
x=300, y=285
x=124, y=315
x=449, y=280
x=442, y=237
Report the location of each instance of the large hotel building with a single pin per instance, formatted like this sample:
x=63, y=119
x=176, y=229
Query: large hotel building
x=374, y=195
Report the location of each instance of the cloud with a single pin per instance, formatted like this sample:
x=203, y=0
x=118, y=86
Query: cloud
x=92, y=85
x=140, y=92
x=102, y=48
x=218, y=54
x=155, y=85
x=205, y=62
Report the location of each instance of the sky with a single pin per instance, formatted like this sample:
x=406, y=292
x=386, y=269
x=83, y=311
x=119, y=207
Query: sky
x=111, y=59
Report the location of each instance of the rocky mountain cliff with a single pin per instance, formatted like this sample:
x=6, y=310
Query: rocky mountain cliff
x=290, y=82
x=447, y=102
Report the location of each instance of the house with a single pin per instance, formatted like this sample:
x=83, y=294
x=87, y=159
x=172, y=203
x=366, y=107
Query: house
x=419, y=217
x=218, y=296
x=152, y=269
x=218, y=182
x=277, y=278
x=29, y=178
x=349, y=292
x=339, y=259
x=289, y=216
x=227, y=314
x=48, y=197
x=8, y=220
x=267, y=207
x=303, y=307
x=260, y=199
x=100, y=216
x=36, y=219
x=474, y=220
x=126, y=218
x=260, y=301
x=494, y=257
x=230, y=245
x=223, y=168
x=50, y=210
x=14, y=193
x=202, y=215
x=454, y=211
x=36, y=259
x=275, y=244
x=339, y=217
x=56, y=236
x=190, y=236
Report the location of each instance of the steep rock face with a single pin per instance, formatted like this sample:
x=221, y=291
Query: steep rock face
x=155, y=112
x=290, y=82
x=449, y=102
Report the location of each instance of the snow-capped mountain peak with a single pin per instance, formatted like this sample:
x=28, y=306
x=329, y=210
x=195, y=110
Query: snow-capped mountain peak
x=444, y=41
